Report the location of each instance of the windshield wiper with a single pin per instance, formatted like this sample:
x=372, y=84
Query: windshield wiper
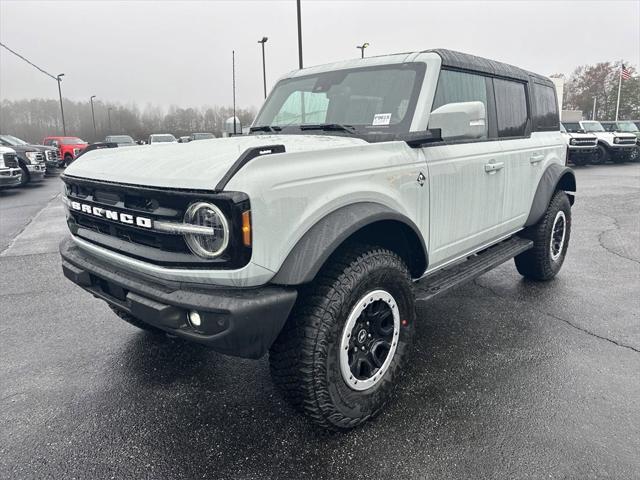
x=338, y=127
x=265, y=128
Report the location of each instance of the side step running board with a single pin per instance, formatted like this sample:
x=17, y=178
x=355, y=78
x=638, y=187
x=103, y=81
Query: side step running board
x=444, y=280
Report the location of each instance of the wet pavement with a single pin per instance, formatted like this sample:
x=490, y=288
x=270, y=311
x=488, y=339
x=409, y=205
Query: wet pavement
x=508, y=379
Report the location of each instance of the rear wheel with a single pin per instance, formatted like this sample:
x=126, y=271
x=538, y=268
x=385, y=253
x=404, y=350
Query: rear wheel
x=550, y=241
x=340, y=353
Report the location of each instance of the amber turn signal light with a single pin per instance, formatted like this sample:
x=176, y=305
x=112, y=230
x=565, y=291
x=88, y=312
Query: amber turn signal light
x=246, y=228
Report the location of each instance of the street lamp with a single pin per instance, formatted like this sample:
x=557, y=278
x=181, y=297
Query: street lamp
x=362, y=47
x=109, y=114
x=64, y=127
x=264, y=71
x=93, y=116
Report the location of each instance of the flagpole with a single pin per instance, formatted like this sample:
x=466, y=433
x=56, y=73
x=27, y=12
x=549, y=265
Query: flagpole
x=619, y=87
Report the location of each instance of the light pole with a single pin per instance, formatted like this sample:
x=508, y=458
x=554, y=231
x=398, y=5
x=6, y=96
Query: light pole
x=362, y=47
x=64, y=126
x=233, y=77
x=593, y=113
x=264, y=71
x=299, y=34
x=93, y=116
x=109, y=115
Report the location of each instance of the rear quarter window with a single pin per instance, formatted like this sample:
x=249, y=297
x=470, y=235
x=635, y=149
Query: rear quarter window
x=546, y=115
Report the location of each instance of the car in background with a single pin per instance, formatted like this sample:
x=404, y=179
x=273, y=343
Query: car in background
x=626, y=126
x=616, y=147
x=201, y=136
x=10, y=172
x=161, y=138
x=68, y=148
x=185, y=139
x=582, y=148
x=121, y=140
x=32, y=159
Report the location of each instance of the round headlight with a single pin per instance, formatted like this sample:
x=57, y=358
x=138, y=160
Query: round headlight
x=573, y=141
x=215, y=232
x=616, y=140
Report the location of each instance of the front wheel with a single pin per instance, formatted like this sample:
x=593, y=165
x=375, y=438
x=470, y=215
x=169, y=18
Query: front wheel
x=550, y=241
x=341, y=351
x=67, y=160
x=25, y=176
x=601, y=157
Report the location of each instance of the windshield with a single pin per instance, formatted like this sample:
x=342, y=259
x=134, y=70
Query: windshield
x=162, y=138
x=572, y=127
x=592, y=127
x=371, y=99
x=11, y=140
x=71, y=141
x=119, y=139
x=627, y=127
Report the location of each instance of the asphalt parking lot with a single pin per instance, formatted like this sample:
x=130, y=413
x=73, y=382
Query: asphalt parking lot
x=509, y=379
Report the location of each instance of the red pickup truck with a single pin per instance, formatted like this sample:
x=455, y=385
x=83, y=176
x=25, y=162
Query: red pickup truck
x=68, y=147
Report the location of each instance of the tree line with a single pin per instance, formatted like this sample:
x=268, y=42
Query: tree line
x=34, y=119
x=600, y=81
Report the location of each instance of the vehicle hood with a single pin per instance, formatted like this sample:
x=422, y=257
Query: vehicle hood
x=31, y=148
x=583, y=136
x=4, y=149
x=612, y=135
x=194, y=165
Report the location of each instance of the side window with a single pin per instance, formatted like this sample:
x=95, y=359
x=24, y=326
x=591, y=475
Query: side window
x=48, y=141
x=454, y=87
x=546, y=108
x=511, y=106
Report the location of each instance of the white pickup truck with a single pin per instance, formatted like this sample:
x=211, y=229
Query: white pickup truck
x=364, y=187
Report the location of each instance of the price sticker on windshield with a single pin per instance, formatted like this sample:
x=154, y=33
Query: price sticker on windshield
x=381, y=119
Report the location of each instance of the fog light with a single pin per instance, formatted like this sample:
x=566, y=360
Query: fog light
x=194, y=318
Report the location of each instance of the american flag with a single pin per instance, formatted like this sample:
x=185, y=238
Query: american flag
x=625, y=73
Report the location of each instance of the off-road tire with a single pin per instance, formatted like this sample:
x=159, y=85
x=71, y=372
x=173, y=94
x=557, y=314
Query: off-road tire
x=601, y=157
x=538, y=263
x=130, y=319
x=305, y=359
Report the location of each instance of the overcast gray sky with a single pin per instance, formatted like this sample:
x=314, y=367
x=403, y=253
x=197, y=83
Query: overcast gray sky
x=170, y=52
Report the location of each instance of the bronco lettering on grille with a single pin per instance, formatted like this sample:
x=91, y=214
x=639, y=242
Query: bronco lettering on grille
x=114, y=215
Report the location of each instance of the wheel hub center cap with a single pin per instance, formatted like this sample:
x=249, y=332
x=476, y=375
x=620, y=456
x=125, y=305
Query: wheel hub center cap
x=362, y=336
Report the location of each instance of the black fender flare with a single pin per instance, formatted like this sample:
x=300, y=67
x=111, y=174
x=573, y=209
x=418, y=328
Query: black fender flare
x=314, y=248
x=555, y=177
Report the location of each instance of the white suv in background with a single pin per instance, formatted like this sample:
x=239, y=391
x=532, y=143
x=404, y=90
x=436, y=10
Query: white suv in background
x=612, y=146
x=582, y=148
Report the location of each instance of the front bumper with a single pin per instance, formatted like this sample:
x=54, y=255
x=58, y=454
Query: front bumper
x=36, y=171
x=242, y=322
x=582, y=153
x=10, y=177
x=622, y=151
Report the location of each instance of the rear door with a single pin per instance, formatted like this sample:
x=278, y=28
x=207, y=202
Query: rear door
x=522, y=154
x=466, y=178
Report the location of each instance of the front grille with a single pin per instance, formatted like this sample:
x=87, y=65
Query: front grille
x=584, y=142
x=10, y=160
x=626, y=141
x=157, y=247
x=52, y=155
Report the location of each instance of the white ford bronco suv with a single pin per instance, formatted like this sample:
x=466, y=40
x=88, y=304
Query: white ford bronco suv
x=364, y=187
x=582, y=148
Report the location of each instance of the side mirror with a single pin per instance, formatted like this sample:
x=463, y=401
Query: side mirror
x=458, y=121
